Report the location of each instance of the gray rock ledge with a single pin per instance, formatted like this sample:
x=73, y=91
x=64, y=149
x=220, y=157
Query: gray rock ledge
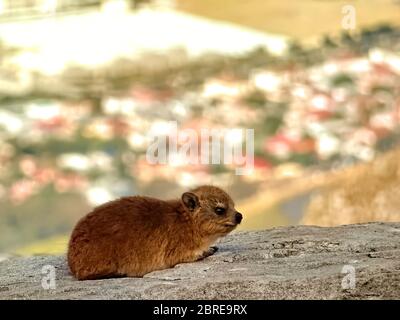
x=300, y=262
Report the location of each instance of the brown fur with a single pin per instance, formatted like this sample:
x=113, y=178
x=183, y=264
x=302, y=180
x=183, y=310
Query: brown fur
x=133, y=236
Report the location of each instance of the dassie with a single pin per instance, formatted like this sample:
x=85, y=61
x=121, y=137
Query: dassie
x=132, y=236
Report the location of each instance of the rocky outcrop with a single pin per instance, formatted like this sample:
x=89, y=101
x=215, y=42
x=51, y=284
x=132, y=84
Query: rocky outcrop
x=301, y=262
x=364, y=192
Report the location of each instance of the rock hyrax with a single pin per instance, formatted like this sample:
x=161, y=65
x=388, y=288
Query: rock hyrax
x=132, y=236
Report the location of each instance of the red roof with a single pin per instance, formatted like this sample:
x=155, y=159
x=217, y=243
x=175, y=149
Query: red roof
x=303, y=145
x=260, y=163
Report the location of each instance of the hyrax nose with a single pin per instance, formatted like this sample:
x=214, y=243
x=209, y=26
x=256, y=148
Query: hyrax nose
x=238, y=217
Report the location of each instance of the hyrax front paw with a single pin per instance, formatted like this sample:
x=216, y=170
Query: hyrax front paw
x=209, y=252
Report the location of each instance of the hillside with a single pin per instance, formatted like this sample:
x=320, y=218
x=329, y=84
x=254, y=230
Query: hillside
x=297, y=19
x=365, y=192
x=358, y=193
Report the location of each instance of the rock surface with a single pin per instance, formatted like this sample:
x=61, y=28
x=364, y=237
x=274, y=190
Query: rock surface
x=301, y=262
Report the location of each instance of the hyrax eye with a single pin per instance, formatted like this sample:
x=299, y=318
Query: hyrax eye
x=219, y=210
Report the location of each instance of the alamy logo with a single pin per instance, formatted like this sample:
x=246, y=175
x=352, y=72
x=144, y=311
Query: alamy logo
x=349, y=17
x=211, y=146
x=349, y=280
x=49, y=279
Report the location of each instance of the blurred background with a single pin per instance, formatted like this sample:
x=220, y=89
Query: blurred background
x=83, y=82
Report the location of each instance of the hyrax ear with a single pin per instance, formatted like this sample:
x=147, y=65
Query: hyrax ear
x=190, y=200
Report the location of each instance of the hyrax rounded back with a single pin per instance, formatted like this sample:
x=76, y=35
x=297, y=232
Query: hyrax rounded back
x=135, y=235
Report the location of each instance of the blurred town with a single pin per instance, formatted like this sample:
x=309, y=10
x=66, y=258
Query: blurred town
x=73, y=136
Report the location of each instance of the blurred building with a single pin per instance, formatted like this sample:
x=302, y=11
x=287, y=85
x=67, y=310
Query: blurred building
x=11, y=9
x=27, y=7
